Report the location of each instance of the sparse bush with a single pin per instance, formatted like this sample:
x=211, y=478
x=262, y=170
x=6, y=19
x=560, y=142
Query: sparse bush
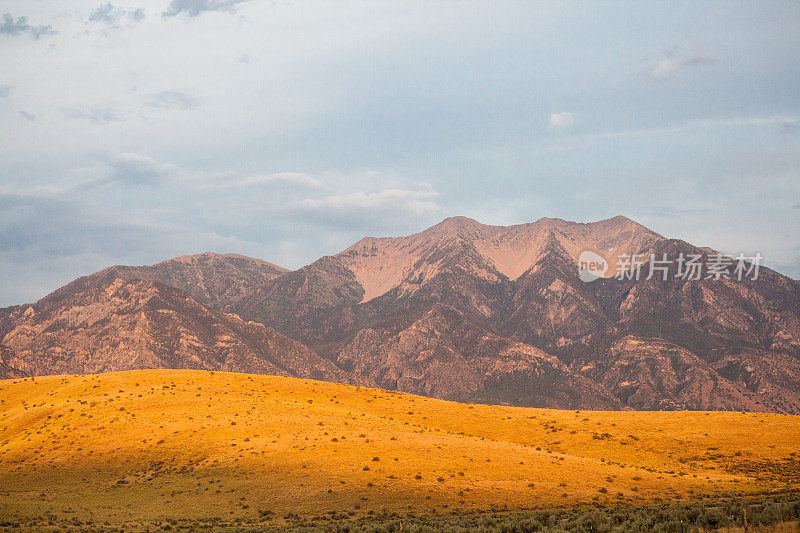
x=674, y=518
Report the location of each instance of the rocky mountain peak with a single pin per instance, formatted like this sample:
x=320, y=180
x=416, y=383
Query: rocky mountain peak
x=461, y=310
x=382, y=264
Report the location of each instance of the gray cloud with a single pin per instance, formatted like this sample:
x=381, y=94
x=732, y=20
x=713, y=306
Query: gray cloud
x=138, y=169
x=94, y=114
x=5, y=90
x=136, y=15
x=112, y=15
x=12, y=27
x=134, y=169
x=30, y=117
x=106, y=13
x=60, y=237
x=171, y=100
x=28, y=222
x=63, y=232
x=45, y=227
x=193, y=8
x=789, y=126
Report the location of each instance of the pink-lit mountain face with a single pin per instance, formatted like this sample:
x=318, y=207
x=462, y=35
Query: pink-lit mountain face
x=461, y=311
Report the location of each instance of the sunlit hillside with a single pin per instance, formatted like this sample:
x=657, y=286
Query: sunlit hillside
x=147, y=446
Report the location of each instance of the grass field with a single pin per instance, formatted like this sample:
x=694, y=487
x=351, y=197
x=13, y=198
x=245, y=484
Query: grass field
x=147, y=447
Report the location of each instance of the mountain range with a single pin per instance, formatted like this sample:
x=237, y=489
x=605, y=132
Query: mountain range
x=461, y=311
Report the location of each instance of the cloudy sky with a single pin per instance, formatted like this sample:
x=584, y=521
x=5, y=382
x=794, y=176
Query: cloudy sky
x=135, y=131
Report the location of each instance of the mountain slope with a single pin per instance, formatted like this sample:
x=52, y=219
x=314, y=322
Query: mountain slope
x=212, y=279
x=521, y=283
x=493, y=314
x=650, y=374
x=313, y=304
x=105, y=323
x=443, y=355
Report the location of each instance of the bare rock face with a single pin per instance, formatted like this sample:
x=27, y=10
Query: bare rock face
x=106, y=324
x=312, y=304
x=770, y=377
x=652, y=375
x=404, y=263
x=445, y=356
x=462, y=311
x=7, y=371
x=710, y=315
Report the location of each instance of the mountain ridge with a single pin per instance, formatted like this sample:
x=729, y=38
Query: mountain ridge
x=510, y=249
x=461, y=310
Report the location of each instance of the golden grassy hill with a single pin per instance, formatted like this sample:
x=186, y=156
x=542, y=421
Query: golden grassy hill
x=144, y=446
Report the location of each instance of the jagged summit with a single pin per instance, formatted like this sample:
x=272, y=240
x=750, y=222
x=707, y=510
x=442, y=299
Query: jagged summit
x=468, y=226
x=458, y=225
x=381, y=264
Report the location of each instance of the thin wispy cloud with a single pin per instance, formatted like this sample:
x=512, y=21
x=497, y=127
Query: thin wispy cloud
x=171, y=100
x=664, y=70
x=670, y=66
x=238, y=179
x=419, y=201
x=777, y=121
x=578, y=142
x=95, y=114
x=692, y=125
x=677, y=212
x=700, y=58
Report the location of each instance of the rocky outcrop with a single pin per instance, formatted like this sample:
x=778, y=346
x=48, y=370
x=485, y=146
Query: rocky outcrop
x=444, y=355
